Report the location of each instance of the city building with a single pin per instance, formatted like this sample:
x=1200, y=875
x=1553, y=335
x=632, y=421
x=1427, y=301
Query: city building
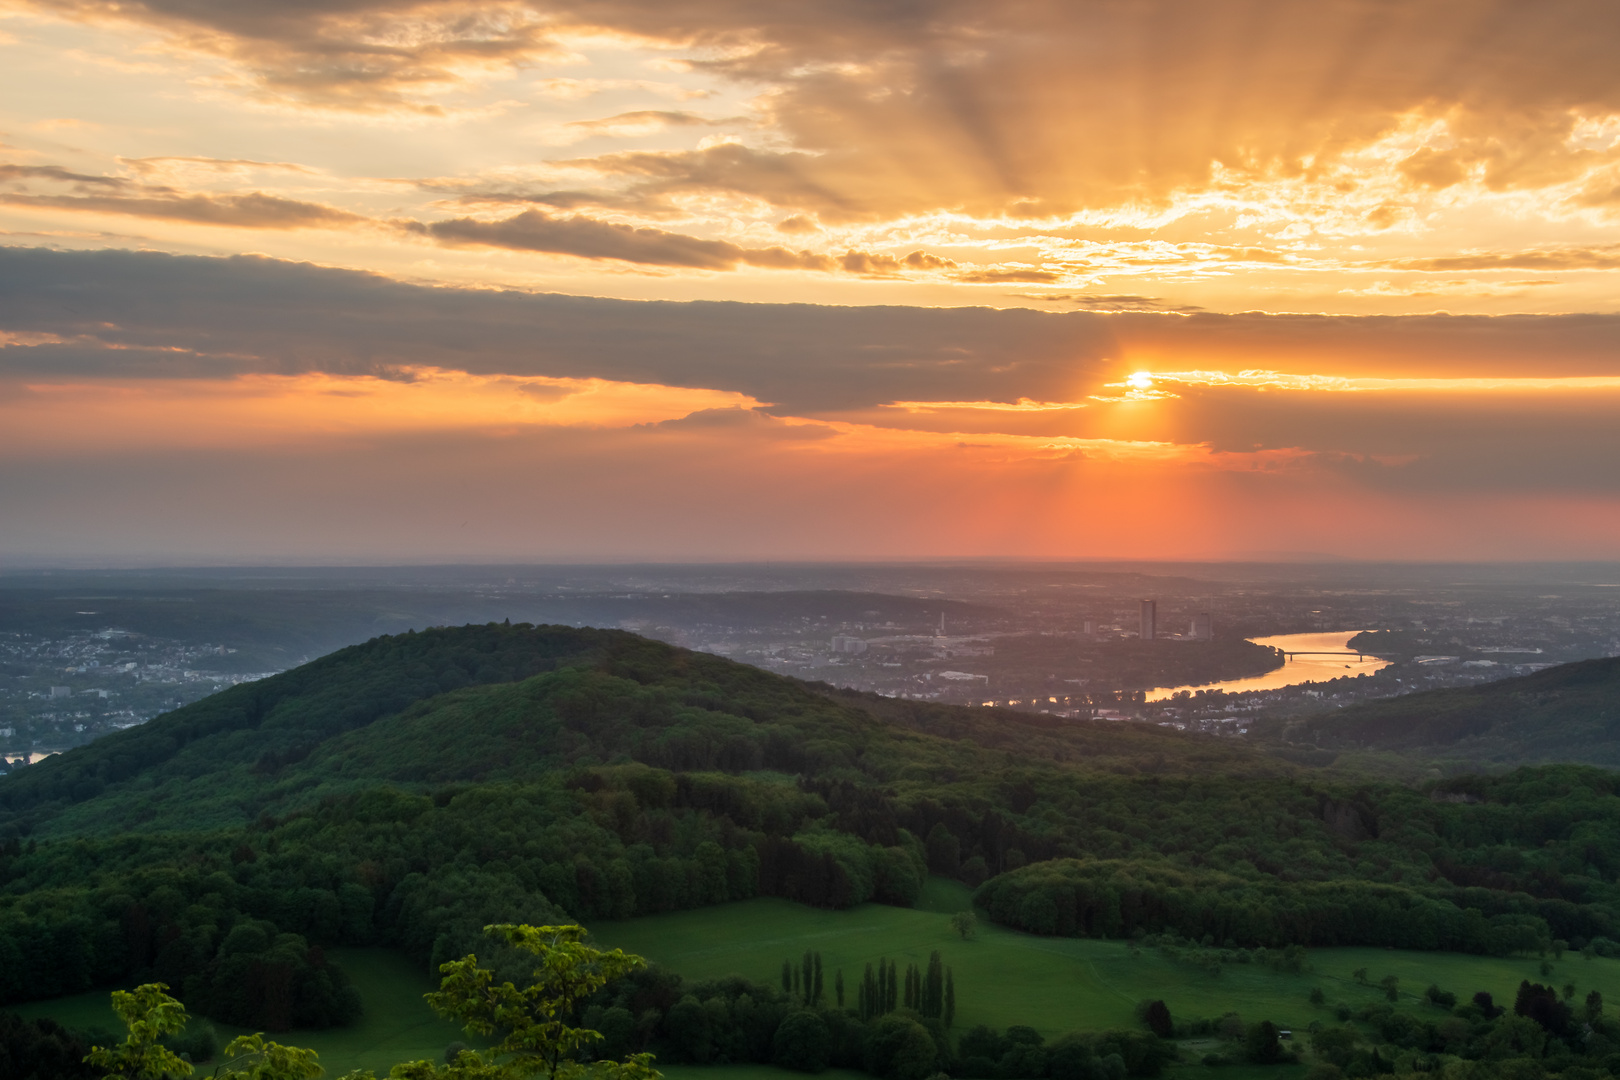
x=1150, y=617
x=1203, y=627
x=844, y=643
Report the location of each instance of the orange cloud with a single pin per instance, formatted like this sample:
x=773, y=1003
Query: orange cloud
x=265, y=409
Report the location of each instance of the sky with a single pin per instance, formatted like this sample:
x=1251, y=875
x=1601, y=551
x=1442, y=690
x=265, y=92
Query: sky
x=602, y=280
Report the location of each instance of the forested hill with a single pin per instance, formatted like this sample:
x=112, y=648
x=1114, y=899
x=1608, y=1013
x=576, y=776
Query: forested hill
x=1568, y=713
x=516, y=703
x=261, y=726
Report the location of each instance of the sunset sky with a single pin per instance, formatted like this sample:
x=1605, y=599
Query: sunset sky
x=360, y=280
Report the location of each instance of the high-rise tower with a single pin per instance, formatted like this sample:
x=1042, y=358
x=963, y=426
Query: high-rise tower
x=1150, y=618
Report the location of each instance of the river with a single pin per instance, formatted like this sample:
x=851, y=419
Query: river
x=1298, y=669
x=33, y=758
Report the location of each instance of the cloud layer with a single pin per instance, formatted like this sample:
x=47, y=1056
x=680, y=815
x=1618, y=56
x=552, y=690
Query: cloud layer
x=906, y=425
x=1221, y=154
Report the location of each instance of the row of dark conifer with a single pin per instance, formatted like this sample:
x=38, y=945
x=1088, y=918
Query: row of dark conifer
x=931, y=991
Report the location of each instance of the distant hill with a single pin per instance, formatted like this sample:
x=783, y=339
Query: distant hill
x=518, y=703
x=1568, y=713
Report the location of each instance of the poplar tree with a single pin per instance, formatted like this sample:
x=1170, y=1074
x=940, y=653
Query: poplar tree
x=838, y=986
x=949, y=1011
x=787, y=976
x=815, y=993
x=933, y=997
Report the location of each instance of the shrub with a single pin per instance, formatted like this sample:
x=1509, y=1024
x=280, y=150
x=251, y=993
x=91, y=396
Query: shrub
x=802, y=1043
x=1443, y=999
x=1156, y=1015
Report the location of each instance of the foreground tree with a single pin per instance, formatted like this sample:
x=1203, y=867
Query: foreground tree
x=149, y=1013
x=536, y=1038
x=250, y=1057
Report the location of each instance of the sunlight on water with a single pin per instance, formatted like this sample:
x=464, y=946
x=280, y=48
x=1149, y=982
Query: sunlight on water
x=1298, y=669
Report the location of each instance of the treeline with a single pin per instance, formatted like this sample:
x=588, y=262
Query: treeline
x=732, y=1020
x=1547, y=1032
x=1077, y=898
x=237, y=922
x=42, y=1050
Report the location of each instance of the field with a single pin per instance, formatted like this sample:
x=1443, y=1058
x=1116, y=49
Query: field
x=1059, y=984
x=1002, y=978
x=397, y=1025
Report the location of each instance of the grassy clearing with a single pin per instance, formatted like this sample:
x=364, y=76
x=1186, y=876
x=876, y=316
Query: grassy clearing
x=397, y=1024
x=1059, y=984
x=1002, y=978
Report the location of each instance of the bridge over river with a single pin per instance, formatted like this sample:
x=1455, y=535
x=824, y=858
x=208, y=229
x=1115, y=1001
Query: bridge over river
x=1314, y=657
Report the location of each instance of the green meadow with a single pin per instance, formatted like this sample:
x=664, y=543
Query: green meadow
x=1002, y=977
x=1056, y=985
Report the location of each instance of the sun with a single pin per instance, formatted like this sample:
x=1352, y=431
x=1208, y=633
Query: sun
x=1140, y=380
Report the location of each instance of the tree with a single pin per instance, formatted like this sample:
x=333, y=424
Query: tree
x=933, y=994
x=899, y=1048
x=964, y=923
x=41, y=1048
x=1335, y=1045
x=1541, y=1004
x=801, y=1042
x=537, y=1039
x=1594, y=1006
x=838, y=987
x=1263, y=1043
x=949, y=1014
x=252, y=1058
x=149, y=1013
x=1157, y=1017
x=1392, y=987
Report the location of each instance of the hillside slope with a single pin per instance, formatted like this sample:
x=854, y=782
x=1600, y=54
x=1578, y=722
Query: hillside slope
x=1568, y=713
x=518, y=703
